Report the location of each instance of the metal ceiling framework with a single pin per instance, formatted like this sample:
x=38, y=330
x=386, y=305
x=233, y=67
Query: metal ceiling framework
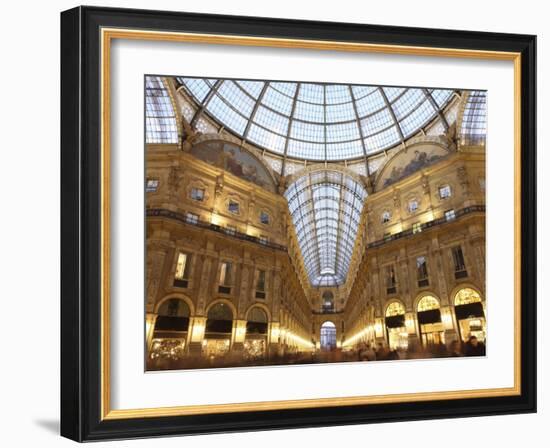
x=317, y=122
x=326, y=207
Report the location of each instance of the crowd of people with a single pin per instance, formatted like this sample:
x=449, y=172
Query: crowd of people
x=472, y=347
x=362, y=352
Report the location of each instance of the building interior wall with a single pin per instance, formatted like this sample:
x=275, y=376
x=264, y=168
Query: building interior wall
x=419, y=236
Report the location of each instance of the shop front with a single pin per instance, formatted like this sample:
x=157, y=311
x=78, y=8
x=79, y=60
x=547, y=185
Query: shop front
x=217, y=335
x=255, y=343
x=470, y=315
x=396, y=329
x=170, y=332
x=432, y=331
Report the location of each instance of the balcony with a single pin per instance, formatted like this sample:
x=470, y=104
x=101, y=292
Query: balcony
x=163, y=213
x=427, y=225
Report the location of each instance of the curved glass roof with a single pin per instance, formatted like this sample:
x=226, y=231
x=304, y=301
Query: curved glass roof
x=474, y=120
x=160, y=124
x=326, y=208
x=317, y=121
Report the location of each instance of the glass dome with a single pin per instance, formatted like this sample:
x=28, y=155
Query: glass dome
x=318, y=122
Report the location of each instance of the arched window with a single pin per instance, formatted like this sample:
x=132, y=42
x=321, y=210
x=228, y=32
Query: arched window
x=256, y=321
x=219, y=319
x=328, y=301
x=173, y=315
x=328, y=336
x=395, y=309
x=427, y=303
x=466, y=296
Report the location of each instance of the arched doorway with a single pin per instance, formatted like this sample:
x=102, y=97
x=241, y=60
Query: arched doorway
x=429, y=320
x=469, y=314
x=255, y=344
x=395, y=326
x=328, y=336
x=328, y=302
x=170, y=331
x=217, y=335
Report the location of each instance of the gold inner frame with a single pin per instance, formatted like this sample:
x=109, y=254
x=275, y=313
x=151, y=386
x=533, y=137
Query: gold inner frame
x=107, y=35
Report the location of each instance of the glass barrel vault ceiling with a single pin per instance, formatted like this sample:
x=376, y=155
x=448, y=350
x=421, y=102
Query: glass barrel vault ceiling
x=317, y=121
x=326, y=208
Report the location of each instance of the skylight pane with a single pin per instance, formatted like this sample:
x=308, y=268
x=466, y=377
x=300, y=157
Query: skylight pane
x=253, y=88
x=308, y=132
x=342, y=132
x=266, y=139
x=407, y=102
x=199, y=88
x=474, y=122
x=418, y=118
x=337, y=94
x=376, y=123
x=160, y=117
x=312, y=93
x=393, y=92
x=370, y=104
x=236, y=97
x=309, y=112
x=348, y=150
x=277, y=101
x=382, y=140
x=312, y=151
x=226, y=114
x=286, y=88
x=271, y=120
x=441, y=97
x=340, y=112
x=362, y=91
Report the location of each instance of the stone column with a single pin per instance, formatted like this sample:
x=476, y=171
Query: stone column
x=197, y=325
x=205, y=287
x=244, y=291
x=156, y=256
x=439, y=272
x=274, y=335
x=380, y=331
x=237, y=336
x=413, y=330
x=273, y=339
x=449, y=323
x=150, y=320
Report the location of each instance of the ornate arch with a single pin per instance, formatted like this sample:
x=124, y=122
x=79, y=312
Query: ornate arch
x=258, y=305
x=462, y=286
x=224, y=301
x=390, y=302
x=423, y=294
x=440, y=144
x=179, y=296
x=214, y=138
x=309, y=169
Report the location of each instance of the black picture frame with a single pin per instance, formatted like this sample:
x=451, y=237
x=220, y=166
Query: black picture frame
x=81, y=228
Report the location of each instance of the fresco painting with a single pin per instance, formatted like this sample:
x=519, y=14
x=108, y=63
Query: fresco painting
x=236, y=161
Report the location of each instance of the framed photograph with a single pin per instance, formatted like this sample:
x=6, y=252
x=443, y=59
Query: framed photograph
x=274, y=224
